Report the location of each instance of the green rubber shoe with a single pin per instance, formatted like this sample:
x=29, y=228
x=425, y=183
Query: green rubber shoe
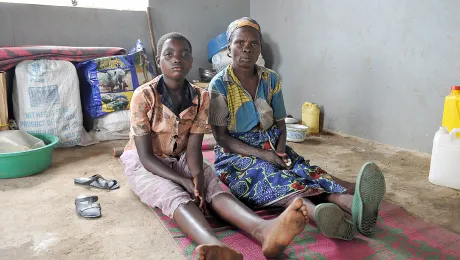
x=369, y=193
x=331, y=221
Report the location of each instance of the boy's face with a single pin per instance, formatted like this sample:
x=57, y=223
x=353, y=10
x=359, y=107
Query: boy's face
x=175, y=59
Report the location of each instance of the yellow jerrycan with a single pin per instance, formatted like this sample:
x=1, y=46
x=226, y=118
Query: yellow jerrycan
x=310, y=117
x=451, y=115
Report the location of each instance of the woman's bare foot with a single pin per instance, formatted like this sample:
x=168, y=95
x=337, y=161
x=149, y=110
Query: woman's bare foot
x=217, y=252
x=278, y=233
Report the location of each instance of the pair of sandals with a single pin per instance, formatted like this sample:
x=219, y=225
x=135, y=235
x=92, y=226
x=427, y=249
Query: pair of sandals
x=87, y=206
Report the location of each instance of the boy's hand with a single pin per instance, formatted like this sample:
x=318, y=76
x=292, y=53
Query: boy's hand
x=195, y=165
x=188, y=186
x=199, y=192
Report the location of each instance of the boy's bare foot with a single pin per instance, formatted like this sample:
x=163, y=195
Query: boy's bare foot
x=279, y=232
x=217, y=252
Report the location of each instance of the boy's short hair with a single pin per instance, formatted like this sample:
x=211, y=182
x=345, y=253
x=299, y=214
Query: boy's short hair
x=171, y=35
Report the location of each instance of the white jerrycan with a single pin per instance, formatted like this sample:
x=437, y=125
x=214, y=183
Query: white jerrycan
x=445, y=159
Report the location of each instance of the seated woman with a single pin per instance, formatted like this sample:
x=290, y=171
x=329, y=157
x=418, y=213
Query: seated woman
x=163, y=161
x=247, y=116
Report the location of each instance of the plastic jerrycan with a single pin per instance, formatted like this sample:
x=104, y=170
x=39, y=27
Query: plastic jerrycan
x=451, y=115
x=444, y=170
x=310, y=117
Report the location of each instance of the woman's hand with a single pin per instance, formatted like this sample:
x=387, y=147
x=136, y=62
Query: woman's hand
x=272, y=157
x=285, y=158
x=281, y=143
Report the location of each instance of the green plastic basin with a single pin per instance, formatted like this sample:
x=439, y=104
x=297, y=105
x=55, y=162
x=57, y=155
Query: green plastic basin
x=20, y=164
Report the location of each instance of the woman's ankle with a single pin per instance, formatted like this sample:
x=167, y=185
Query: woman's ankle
x=344, y=201
x=260, y=232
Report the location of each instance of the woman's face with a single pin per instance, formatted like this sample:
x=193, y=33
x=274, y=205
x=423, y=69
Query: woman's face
x=245, y=47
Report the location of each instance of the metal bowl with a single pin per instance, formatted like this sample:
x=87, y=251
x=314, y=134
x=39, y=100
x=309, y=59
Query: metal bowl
x=206, y=75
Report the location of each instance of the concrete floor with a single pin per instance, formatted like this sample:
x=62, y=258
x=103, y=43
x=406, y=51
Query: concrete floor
x=38, y=220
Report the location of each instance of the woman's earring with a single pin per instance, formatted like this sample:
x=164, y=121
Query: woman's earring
x=228, y=54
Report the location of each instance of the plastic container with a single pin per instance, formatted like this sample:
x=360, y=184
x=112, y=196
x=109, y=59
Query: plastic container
x=12, y=141
x=217, y=44
x=310, y=117
x=451, y=115
x=296, y=133
x=20, y=164
x=444, y=170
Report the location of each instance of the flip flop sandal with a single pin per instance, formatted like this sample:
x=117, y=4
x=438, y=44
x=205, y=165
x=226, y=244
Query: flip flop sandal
x=332, y=222
x=87, y=206
x=97, y=181
x=369, y=193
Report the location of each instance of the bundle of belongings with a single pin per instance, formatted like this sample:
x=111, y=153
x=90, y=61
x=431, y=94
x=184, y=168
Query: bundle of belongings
x=81, y=103
x=107, y=85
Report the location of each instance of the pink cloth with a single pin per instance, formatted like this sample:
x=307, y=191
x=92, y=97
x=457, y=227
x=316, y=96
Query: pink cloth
x=10, y=56
x=159, y=192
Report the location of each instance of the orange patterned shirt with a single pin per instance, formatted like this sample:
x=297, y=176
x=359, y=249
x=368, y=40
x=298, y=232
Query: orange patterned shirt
x=150, y=115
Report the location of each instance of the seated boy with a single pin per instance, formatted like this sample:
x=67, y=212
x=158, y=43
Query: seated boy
x=163, y=161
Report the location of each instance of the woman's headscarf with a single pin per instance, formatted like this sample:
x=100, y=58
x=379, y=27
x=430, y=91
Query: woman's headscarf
x=245, y=21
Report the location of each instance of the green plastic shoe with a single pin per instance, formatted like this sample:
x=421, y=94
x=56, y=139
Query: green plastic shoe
x=331, y=221
x=369, y=193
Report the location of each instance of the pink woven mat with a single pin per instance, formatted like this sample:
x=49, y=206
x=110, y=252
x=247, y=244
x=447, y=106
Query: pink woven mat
x=398, y=236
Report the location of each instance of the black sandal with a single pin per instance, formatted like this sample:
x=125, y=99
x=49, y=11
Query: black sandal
x=97, y=181
x=87, y=206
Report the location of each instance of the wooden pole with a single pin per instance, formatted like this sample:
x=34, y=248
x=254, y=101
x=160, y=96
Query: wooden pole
x=152, y=42
x=3, y=103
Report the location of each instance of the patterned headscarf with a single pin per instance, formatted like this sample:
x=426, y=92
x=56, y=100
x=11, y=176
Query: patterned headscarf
x=245, y=21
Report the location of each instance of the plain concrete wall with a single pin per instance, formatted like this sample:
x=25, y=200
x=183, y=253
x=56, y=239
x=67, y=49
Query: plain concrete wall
x=24, y=24
x=380, y=69
x=199, y=20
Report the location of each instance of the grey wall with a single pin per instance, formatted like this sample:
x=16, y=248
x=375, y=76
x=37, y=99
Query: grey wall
x=199, y=20
x=22, y=24
x=380, y=69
